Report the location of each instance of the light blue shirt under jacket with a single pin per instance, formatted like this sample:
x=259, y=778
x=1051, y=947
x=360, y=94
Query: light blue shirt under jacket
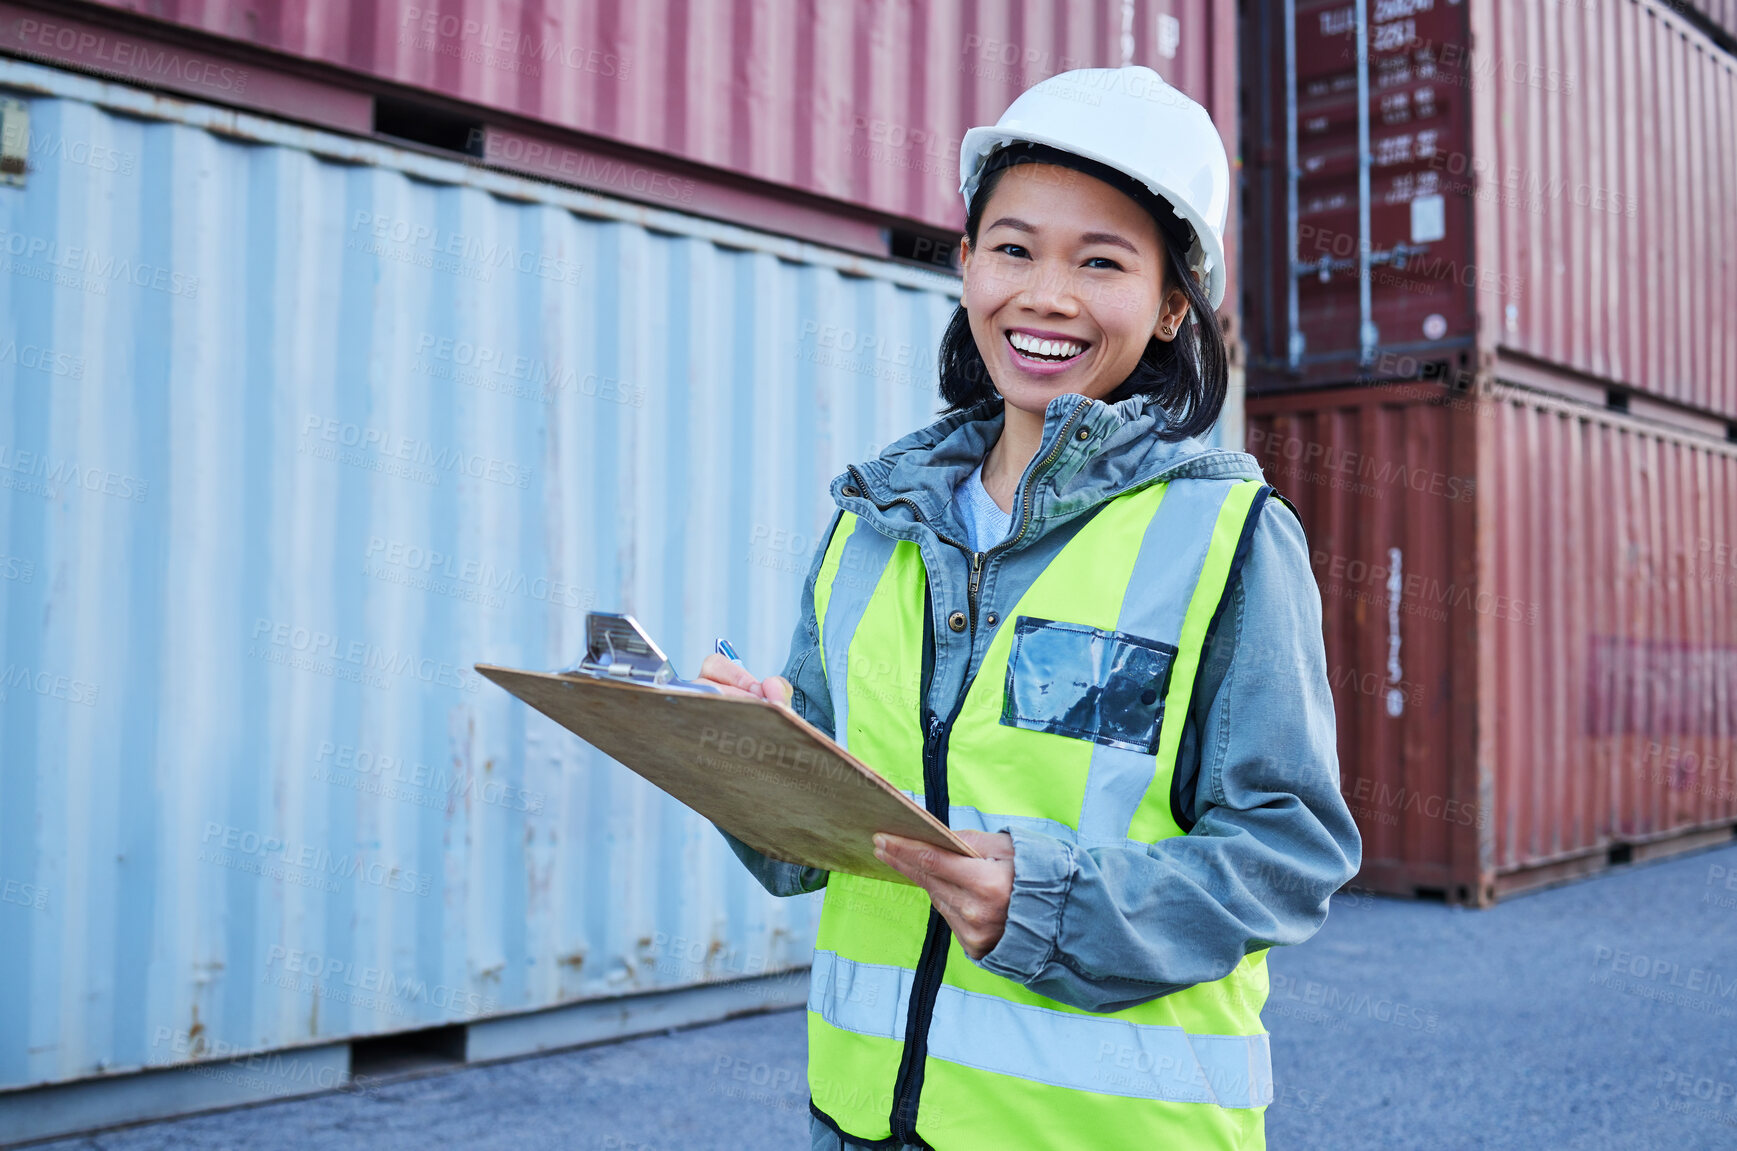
x=985, y=523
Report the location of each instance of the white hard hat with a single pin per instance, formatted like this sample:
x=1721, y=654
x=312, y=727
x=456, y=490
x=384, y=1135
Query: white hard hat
x=1132, y=121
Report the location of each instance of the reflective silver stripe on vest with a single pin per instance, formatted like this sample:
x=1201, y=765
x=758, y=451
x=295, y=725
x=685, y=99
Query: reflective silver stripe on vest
x=1172, y=554
x=969, y=818
x=868, y=998
x=1097, y=1053
x=860, y=565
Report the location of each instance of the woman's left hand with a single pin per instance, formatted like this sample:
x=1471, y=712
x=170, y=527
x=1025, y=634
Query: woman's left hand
x=971, y=894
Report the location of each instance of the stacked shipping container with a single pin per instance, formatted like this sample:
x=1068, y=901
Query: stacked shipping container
x=858, y=108
x=1523, y=528
x=839, y=124
x=1531, y=622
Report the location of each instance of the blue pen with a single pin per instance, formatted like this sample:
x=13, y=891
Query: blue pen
x=724, y=649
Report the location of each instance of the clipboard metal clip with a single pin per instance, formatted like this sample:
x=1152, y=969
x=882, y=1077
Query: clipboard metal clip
x=617, y=648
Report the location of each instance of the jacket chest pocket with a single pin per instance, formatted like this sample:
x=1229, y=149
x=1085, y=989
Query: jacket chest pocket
x=1085, y=682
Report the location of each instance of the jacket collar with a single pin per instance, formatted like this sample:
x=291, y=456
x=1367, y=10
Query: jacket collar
x=913, y=479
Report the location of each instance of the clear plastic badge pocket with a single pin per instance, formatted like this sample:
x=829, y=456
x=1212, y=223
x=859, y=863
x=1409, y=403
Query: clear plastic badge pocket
x=1080, y=681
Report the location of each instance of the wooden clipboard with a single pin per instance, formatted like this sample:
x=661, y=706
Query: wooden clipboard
x=754, y=768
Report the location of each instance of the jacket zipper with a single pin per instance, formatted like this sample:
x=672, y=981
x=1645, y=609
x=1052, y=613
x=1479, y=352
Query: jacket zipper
x=978, y=558
x=971, y=591
x=932, y=962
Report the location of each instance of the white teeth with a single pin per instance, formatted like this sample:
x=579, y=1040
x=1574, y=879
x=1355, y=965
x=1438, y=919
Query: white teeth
x=1052, y=349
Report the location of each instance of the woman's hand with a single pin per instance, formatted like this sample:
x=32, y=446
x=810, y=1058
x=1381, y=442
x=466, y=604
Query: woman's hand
x=735, y=679
x=971, y=894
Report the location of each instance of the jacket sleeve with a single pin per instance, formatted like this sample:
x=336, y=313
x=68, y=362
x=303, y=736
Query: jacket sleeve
x=813, y=702
x=1105, y=928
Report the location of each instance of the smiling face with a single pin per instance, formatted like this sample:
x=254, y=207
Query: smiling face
x=1064, y=286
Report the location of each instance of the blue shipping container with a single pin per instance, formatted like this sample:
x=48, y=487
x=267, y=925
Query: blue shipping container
x=294, y=429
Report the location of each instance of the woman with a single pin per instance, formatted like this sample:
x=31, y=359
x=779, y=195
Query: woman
x=1090, y=644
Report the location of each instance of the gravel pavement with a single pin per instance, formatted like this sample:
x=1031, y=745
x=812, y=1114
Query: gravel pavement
x=1601, y=1014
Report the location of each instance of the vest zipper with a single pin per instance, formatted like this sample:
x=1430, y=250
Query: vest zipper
x=932, y=962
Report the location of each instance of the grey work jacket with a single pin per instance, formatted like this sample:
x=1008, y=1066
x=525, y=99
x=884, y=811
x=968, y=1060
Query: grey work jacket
x=1104, y=928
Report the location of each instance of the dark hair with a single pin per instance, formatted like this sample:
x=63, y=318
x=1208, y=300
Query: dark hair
x=1187, y=376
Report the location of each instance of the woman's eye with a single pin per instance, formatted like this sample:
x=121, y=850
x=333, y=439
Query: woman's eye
x=1019, y=253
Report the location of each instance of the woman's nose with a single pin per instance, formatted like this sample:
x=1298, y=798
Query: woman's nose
x=1051, y=290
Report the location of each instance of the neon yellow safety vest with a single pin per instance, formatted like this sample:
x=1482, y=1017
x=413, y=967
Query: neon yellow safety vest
x=909, y=1038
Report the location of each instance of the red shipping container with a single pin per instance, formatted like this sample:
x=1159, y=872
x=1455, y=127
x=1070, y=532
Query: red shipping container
x=1546, y=199
x=857, y=104
x=1530, y=609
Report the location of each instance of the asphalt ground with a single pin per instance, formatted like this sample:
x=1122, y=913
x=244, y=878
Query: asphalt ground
x=1600, y=1014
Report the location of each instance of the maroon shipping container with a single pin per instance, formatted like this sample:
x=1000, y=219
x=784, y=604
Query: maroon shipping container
x=858, y=105
x=1403, y=290
x=1530, y=609
x=1553, y=206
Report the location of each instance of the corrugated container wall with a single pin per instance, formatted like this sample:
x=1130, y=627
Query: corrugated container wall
x=1555, y=202
x=296, y=428
x=1609, y=708
x=1531, y=621
x=1384, y=481
x=1611, y=152
x=861, y=103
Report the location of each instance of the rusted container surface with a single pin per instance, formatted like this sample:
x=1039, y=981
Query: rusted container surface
x=1530, y=610
x=1609, y=691
x=1419, y=280
x=860, y=103
x=1608, y=173
x=1384, y=482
